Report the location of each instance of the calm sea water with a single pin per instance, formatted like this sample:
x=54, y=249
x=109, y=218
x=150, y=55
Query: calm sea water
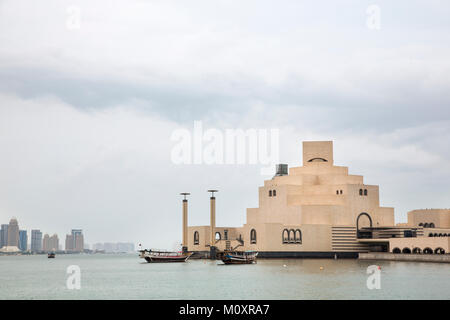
x=128, y=277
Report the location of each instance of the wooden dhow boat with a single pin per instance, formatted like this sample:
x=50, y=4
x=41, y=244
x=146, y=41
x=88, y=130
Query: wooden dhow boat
x=152, y=256
x=236, y=257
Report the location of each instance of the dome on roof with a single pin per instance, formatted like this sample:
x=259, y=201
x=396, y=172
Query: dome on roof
x=9, y=249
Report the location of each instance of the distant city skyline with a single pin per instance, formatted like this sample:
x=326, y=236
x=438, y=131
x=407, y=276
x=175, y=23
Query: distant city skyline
x=13, y=236
x=114, y=247
x=30, y=231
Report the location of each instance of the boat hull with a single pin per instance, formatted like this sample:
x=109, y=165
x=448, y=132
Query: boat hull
x=231, y=261
x=229, y=258
x=164, y=257
x=166, y=260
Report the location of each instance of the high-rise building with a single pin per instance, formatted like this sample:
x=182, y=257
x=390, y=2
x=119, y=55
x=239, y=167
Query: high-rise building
x=46, y=243
x=79, y=243
x=13, y=233
x=54, y=242
x=36, y=240
x=23, y=240
x=78, y=240
x=75, y=241
x=69, y=243
x=50, y=243
x=4, y=235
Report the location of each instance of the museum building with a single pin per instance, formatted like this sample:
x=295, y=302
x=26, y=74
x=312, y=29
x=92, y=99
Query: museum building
x=320, y=210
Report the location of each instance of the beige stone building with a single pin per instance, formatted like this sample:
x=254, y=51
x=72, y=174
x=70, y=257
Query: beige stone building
x=320, y=210
x=13, y=233
x=50, y=243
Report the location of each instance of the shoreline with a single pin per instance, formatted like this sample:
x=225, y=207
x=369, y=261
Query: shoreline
x=386, y=256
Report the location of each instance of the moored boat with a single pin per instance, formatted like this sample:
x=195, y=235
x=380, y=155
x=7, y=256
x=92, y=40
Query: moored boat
x=236, y=257
x=51, y=255
x=164, y=256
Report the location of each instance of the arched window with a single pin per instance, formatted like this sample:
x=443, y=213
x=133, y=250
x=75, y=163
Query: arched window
x=432, y=225
x=360, y=192
x=421, y=224
x=317, y=160
x=218, y=236
x=365, y=192
x=417, y=251
x=274, y=193
x=427, y=251
x=337, y=191
x=439, y=251
x=196, y=238
x=291, y=236
x=363, y=221
x=396, y=250
x=253, y=236
x=298, y=236
x=426, y=225
x=270, y=193
x=435, y=234
x=285, y=236
x=441, y=235
x=430, y=235
x=406, y=250
x=341, y=191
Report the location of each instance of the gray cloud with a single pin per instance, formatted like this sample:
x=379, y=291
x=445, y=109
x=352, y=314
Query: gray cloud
x=86, y=115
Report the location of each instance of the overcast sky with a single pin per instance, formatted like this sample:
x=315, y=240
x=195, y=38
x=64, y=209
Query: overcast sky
x=88, y=104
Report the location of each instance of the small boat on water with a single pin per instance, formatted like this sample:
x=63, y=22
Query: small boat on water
x=164, y=256
x=236, y=257
x=51, y=255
